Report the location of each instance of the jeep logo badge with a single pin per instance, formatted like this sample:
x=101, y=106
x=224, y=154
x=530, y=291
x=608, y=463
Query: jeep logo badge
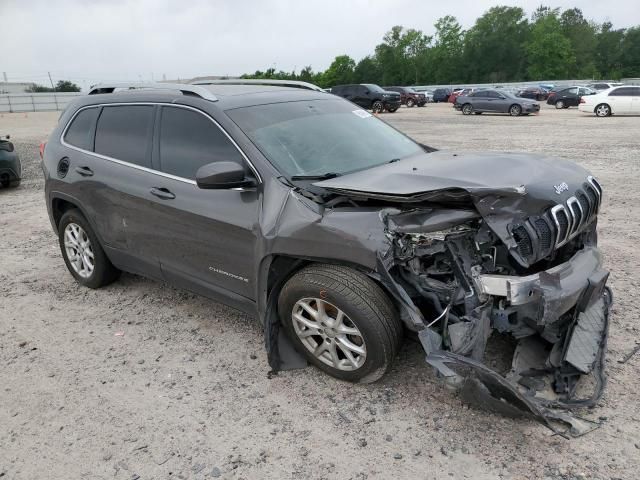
x=563, y=187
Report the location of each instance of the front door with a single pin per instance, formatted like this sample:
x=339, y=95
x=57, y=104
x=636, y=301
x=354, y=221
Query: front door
x=204, y=239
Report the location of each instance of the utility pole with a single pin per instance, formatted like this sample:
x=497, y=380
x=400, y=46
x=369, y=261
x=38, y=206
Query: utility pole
x=55, y=99
x=4, y=74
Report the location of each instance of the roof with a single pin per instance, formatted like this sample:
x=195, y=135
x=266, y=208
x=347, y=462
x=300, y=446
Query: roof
x=224, y=96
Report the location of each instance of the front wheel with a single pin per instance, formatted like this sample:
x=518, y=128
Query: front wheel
x=515, y=110
x=377, y=107
x=559, y=104
x=603, y=110
x=342, y=322
x=83, y=253
x=410, y=103
x=392, y=109
x=467, y=109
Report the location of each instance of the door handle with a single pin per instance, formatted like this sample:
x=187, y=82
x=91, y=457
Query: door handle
x=84, y=171
x=162, y=193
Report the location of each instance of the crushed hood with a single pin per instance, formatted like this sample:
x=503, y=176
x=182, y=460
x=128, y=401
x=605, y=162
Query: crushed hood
x=505, y=188
x=479, y=174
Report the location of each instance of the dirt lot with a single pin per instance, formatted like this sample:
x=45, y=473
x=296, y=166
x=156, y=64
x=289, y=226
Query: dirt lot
x=184, y=393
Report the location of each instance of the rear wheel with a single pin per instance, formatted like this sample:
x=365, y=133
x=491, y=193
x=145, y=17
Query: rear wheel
x=377, y=106
x=392, y=109
x=83, y=253
x=515, y=110
x=603, y=110
x=342, y=321
x=467, y=109
x=559, y=104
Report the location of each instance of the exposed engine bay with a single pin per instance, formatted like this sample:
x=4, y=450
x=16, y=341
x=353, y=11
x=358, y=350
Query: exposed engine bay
x=468, y=284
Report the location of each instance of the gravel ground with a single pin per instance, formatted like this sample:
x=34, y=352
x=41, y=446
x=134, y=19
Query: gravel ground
x=184, y=392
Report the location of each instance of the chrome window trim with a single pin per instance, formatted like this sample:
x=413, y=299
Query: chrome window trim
x=140, y=167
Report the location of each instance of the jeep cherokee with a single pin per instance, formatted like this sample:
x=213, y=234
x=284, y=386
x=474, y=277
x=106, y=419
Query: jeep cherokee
x=318, y=218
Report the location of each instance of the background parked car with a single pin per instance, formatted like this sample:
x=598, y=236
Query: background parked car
x=494, y=101
x=614, y=101
x=408, y=96
x=599, y=86
x=534, y=93
x=369, y=96
x=10, y=168
x=569, y=97
x=441, y=94
x=456, y=92
x=427, y=92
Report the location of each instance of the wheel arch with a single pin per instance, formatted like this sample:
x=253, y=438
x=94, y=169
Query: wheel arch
x=60, y=203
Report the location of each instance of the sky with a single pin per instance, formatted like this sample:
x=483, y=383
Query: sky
x=89, y=41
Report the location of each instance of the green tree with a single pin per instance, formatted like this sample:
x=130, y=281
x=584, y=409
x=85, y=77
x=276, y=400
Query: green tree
x=367, y=71
x=549, y=53
x=494, y=46
x=630, y=56
x=446, y=54
x=583, y=37
x=401, y=55
x=339, y=72
x=608, y=53
x=66, y=86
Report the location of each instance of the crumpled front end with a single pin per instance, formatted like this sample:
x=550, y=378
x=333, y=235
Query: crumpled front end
x=474, y=289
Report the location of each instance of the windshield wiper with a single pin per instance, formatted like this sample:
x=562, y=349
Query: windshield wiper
x=322, y=176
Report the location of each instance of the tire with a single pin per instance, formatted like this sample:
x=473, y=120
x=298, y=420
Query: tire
x=515, y=110
x=366, y=308
x=559, y=104
x=103, y=272
x=377, y=107
x=478, y=113
x=14, y=183
x=392, y=110
x=467, y=109
x=602, y=110
x=410, y=103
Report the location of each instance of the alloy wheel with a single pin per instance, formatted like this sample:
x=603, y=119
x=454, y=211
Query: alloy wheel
x=329, y=334
x=79, y=251
x=603, y=110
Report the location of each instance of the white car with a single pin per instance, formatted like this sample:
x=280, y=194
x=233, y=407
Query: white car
x=614, y=101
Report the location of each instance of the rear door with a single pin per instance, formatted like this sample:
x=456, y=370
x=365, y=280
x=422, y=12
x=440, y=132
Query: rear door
x=123, y=140
x=204, y=239
x=621, y=100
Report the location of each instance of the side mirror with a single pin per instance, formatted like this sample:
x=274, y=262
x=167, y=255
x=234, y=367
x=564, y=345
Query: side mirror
x=221, y=175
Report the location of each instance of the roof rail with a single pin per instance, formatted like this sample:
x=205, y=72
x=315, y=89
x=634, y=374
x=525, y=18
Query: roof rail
x=186, y=89
x=261, y=81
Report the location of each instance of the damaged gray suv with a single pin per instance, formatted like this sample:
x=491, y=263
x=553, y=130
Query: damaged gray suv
x=340, y=234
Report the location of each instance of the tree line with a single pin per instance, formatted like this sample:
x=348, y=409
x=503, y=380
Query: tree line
x=504, y=45
x=61, y=86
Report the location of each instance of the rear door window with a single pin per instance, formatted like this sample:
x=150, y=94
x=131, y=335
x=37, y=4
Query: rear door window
x=124, y=133
x=189, y=140
x=80, y=132
x=622, y=92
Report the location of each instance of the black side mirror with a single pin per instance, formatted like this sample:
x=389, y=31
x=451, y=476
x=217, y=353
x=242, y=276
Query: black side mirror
x=221, y=175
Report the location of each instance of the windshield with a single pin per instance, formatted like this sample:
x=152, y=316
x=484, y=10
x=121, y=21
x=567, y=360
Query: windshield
x=319, y=137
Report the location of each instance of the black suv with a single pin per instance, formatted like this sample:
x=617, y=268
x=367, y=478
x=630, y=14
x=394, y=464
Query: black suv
x=369, y=96
x=326, y=222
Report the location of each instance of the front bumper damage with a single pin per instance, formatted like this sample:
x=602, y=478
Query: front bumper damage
x=551, y=363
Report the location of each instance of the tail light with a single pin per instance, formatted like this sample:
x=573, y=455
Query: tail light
x=42, y=145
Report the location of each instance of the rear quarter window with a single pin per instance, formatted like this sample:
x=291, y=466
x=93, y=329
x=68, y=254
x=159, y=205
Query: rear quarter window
x=80, y=131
